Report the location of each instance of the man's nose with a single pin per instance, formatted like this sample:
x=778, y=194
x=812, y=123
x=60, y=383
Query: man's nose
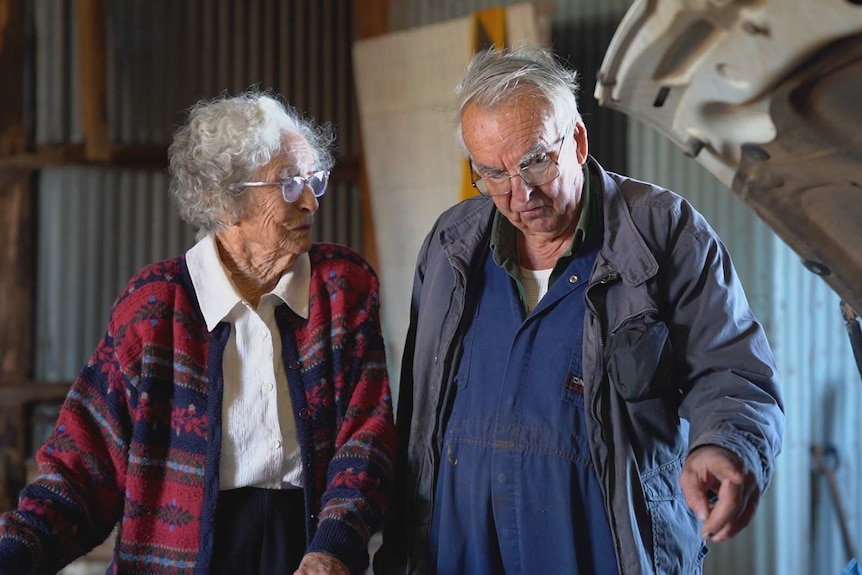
x=521, y=189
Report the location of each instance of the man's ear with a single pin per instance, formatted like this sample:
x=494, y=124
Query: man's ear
x=580, y=137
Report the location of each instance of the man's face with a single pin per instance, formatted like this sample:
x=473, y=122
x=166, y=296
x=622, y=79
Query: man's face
x=510, y=136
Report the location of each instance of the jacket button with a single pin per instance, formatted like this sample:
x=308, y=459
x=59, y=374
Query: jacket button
x=573, y=279
x=304, y=413
x=294, y=365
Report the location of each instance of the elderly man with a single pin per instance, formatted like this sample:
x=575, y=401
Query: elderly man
x=584, y=388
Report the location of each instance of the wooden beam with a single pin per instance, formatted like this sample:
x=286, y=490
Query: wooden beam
x=347, y=169
x=92, y=71
x=370, y=18
x=17, y=243
x=28, y=392
x=17, y=257
x=13, y=54
x=13, y=446
x=75, y=155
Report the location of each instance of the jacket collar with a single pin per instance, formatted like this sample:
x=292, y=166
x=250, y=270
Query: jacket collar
x=624, y=250
x=471, y=228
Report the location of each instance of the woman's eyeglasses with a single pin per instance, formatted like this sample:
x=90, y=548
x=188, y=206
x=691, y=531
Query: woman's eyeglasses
x=291, y=188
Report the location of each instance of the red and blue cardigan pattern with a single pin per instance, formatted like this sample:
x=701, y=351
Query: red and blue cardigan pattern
x=138, y=438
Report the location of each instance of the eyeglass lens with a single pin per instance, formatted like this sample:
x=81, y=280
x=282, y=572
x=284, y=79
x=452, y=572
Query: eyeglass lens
x=291, y=189
x=537, y=174
x=534, y=175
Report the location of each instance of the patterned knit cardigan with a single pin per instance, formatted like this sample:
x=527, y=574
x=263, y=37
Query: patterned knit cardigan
x=139, y=436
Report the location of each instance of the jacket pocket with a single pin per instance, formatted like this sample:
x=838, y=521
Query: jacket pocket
x=634, y=356
x=678, y=547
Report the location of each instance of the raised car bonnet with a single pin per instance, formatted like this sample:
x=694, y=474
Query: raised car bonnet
x=767, y=95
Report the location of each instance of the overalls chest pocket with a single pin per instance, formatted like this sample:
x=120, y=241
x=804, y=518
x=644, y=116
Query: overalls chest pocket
x=573, y=384
x=639, y=358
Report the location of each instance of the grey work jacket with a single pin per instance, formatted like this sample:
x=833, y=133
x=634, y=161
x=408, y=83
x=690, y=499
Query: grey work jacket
x=673, y=359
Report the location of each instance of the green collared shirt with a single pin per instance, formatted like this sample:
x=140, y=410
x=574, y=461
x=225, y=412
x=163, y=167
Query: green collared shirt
x=504, y=236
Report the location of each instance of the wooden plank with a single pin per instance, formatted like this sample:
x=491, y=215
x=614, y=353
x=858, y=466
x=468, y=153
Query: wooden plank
x=348, y=169
x=17, y=258
x=17, y=255
x=370, y=18
x=12, y=449
x=70, y=155
x=139, y=157
x=92, y=71
x=20, y=393
x=13, y=54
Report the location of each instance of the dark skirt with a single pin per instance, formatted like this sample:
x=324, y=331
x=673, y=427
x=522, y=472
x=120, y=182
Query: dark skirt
x=258, y=531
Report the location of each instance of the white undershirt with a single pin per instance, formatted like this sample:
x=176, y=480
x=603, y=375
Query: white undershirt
x=535, y=284
x=260, y=446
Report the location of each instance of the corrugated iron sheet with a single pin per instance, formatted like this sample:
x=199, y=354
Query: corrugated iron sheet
x=796, y=529
x=57, y=89
x=163, y=56
x=97, y=228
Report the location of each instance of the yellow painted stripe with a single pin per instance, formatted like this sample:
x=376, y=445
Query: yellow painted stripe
x=493, y=23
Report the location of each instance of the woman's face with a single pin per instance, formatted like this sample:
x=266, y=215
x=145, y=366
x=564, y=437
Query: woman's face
x=270, y=224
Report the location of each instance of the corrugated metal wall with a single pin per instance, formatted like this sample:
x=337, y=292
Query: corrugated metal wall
x=97, y=227
x=796, y=529
x=165, y=55
x=57, y=86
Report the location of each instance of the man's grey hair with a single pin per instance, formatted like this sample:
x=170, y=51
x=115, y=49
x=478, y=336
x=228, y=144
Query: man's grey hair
x=498, y=75
x=226, y=140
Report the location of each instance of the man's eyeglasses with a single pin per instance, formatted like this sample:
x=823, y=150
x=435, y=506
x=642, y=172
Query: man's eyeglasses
x=537, y=173
x=291, y=188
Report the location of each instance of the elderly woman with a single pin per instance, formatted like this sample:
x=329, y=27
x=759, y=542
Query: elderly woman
x=236, y=417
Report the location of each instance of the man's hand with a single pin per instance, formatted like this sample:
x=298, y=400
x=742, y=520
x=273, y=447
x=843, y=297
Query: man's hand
x=715, y=469
x=321, y=564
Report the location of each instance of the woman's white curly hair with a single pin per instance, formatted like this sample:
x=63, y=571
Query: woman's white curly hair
x=226, y=140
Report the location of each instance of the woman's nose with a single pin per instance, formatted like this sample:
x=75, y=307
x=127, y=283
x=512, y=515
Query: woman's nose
x=307, y=202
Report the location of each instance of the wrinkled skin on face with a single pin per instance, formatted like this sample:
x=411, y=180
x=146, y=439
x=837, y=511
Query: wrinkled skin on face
x=506, y=137
x=272, y=233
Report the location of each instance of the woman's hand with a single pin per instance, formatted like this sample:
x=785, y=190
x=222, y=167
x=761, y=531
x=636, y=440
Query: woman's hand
x=321, y=564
